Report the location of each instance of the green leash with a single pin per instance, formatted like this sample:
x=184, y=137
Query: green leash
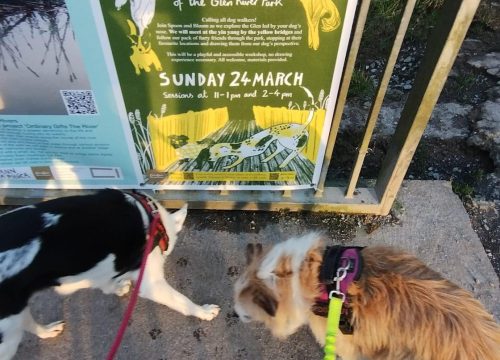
x=351, y=261
x=332, y=326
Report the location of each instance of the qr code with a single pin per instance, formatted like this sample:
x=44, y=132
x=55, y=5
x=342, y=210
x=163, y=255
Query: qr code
x=79, y=102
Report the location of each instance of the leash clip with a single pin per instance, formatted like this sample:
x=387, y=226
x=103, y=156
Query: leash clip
x=341, y=275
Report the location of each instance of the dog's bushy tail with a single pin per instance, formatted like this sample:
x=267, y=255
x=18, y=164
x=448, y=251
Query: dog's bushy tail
x=399, y=303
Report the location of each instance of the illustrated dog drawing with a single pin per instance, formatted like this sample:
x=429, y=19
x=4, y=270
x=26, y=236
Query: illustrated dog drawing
x=286, y=136
x=187, y=151
x=396, y=307
x=143, y=56
x=91, y=241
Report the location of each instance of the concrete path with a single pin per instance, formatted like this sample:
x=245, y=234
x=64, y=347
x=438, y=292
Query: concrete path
x=205, y=264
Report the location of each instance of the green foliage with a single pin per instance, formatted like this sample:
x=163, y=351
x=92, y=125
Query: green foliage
x=462, y=84
x=362, y=85
x=478, y=175
x=462, y=189
x=390, y=9
x=383, y=21
x=466, y=186
x=384, y=16
x=386, y=9
x=429, y=4
x=485, y=18
x=397, y=208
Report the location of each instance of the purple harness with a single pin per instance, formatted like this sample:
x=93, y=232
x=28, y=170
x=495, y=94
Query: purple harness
x=341, y=266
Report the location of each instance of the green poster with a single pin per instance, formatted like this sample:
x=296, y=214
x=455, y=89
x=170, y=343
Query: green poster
x=234, y=94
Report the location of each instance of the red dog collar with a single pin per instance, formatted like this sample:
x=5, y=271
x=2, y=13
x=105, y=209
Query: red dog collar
x=156, y=228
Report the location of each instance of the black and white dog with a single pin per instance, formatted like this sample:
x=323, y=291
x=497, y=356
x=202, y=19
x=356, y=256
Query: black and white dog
x=77, y=242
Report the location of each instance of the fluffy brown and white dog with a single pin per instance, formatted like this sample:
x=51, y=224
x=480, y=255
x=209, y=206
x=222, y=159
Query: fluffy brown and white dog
x=398, y=307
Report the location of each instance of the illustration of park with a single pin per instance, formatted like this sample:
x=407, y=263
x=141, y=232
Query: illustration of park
x=218, y=142
x=276, y=140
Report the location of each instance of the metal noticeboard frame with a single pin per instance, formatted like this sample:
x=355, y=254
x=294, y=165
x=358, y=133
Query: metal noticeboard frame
x=442, y=49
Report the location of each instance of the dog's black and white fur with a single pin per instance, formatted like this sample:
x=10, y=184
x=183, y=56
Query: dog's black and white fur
x=72, y=243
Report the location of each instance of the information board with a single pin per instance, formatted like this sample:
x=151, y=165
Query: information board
x=178, y=94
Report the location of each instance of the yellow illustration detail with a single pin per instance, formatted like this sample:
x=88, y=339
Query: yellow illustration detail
x=267, y=116
x=231, y=176
x=143, y=56
x=175, y=137
x=290, y=136
x=324, y=11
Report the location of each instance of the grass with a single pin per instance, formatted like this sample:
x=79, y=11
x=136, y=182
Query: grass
x=478, y=175
x=384, y=16
x=389, y=9
x=386, y=9
x=429, y=4
x=362, y=86
x=465, y=187
x=462, y=189
x=383, y=21
x=380, y=29
x=462, y=84
x=485, y=15
x=397, y=208
x=425, y=14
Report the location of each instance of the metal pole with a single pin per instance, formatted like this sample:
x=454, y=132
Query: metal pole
x=379, y=98
x=344, y=88
x=445, y=41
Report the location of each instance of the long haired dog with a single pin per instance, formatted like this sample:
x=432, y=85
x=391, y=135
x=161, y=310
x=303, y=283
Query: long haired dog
x=92, y=241
x=396, y=307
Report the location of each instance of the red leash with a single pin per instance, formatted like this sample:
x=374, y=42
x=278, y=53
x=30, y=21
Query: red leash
x=135, y=292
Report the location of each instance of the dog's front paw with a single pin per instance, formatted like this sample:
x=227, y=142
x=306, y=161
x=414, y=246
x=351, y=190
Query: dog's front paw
x=209, y=312
x=51, y=330
x=123, y=287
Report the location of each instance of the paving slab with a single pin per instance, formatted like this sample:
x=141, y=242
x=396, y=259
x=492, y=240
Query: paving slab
x=205, y=264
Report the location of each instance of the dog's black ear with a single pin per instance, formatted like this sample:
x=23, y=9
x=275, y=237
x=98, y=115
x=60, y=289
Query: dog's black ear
x=266, y=301
x=252, y=251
